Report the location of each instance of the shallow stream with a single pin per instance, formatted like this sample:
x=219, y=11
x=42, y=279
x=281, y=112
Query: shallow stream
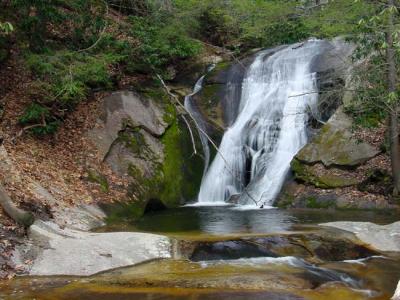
x=226, y=253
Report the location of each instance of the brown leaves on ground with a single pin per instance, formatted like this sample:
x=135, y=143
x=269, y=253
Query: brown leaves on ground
x=58, y=163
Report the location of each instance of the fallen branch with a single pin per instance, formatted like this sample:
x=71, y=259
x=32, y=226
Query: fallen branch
x=176, y=102
x=18, y=215
x=191, y=134
x=101, y=32
x=23, y=130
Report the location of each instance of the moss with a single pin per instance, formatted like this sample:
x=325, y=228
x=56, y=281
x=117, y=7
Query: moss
x=286, y=200
x=172, y=168
x=218, y=69
x=170, y=113
x=96, y=177
x=312, y=202
x=133, y=140
x=304, y=173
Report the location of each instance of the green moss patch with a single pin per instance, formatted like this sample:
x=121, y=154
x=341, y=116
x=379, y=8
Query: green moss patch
x=305, y=174
x=96, y=177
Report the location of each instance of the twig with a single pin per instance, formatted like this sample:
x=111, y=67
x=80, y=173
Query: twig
x=101, y=33
x=191, y=134
x=21, y=132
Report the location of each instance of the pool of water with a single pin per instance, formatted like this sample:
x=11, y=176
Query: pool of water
x=282, y=277
x=223, y=220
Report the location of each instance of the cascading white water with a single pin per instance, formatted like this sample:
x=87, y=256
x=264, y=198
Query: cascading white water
x=201, y=127
x=256, y=151
x=200, y=124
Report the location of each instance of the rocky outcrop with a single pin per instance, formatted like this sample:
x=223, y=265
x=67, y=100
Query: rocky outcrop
x=298, y=195
x=142, y=139
x=64, y=251
x=335, y=145
x=127, y=109
x=379, y=237
x=329, y=160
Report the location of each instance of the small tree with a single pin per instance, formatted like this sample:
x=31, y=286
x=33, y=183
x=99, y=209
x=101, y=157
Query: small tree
x=378, y=42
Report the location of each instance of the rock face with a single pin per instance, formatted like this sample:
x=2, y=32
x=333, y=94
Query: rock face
x=142, y=139
x=328, y=160
x=127, y=109
x=298, y=195
x=379, y=237
x=57, y=251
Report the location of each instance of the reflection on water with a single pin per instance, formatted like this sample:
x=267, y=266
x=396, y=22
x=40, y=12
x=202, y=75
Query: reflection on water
x=228, y=220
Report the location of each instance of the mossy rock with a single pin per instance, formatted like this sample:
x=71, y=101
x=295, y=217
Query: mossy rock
x=335, y=145
x=306, y=174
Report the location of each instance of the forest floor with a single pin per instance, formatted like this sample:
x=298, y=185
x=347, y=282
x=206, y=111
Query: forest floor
x=58, y=163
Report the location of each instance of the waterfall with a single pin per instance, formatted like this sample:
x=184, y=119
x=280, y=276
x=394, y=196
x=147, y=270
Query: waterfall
x=271, y=127
x=200, y=124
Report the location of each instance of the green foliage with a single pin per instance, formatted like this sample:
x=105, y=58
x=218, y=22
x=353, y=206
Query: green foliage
x=6, y=28
x=71, y=75
x=160, y=44
x=39, y=119
x=96, y=177
x=338, y=17
x=373, y=102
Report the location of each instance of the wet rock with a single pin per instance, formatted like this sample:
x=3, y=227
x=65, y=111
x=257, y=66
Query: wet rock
x=229, y=250
x=57, y=251
x=325, y=178
x=313, y=247
x=379, y=237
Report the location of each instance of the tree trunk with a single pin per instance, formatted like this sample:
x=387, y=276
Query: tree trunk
x=393, y=118
x=18, y=215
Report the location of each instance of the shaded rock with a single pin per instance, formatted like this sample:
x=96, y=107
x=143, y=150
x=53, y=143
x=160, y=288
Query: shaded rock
x=310, y=247
x=122, y=109
x=72, y=252
x=335, y=145
x=328, y=178
x=297, y=195
x=379, y=237
x=229, y=250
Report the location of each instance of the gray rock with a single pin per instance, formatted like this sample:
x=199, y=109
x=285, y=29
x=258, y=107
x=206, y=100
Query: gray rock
x=379, y=237
x=151, y=153
x=335, y=145
x=126, y=108
x=57, y=251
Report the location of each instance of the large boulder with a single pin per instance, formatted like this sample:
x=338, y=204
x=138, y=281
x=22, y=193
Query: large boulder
x=141, y=137
x=57, y=251
x=335, y=145
x=378, y=237
x=329, y=159
x=126, y=109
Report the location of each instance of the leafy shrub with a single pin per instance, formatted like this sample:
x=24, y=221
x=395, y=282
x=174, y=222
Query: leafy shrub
x=160, y=44
x=40, y=118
